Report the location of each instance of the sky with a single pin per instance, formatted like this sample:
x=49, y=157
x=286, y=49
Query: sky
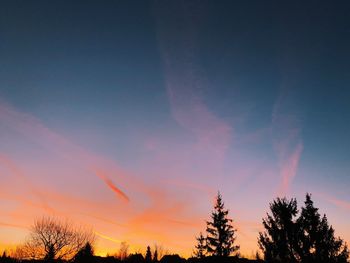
x=129, y=116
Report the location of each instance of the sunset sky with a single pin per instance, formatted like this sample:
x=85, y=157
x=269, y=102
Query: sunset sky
x=129, y=116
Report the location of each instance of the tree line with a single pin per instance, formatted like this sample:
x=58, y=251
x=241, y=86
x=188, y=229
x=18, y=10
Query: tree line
x=289, y=236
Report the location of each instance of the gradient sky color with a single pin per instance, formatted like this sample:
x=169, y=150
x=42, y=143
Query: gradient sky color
x=129, y=116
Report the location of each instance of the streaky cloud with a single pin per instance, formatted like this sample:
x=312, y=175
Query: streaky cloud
x=111, y=185
x=13, y=168
x=185, y=83
x=3, y=224
x=33, y=128
x=108, y=237
x=287, y=141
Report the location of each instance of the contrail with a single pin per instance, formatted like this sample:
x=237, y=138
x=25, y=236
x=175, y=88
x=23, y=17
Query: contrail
x=107, y=237
x=35, y=129
x=116, y=189
x=112, y=186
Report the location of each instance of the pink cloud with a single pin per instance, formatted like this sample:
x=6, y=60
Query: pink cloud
x=343, y=204
x=289, y=168
x=287, y=142
x=148, y=205
x=33, y=128
x=212, y=133
x=112, y=186
x=340, y=203
x=185, y=84
x=14, y=170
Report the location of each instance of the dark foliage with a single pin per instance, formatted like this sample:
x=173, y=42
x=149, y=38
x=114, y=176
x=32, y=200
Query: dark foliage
x=306, y=239
x=277, y=242
x=220, y=232
x=148, y=257
x=155, y=255
x=200, y=248
x=317, y=242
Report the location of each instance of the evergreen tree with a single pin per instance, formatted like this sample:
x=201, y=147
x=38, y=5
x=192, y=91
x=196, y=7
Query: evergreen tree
x=220, y=232
x=317, y=241
x=328, y=247
x=155, y=255
x=278, y=240
x=307, y=239
x=308, y=234
x=148, y=257
x=200, y=248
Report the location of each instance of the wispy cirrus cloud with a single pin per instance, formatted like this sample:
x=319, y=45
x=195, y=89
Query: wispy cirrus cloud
x=340, y=203
x=14, y=170
x=287, y=141
x=185, y=84
x=74, y=163
x=33, y=128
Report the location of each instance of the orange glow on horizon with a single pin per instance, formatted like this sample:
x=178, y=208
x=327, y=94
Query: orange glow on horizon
x=167, y=207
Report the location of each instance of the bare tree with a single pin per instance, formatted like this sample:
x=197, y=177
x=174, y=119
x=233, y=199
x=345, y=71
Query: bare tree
x=123, y=251
x=161, y=251
x=51, y=239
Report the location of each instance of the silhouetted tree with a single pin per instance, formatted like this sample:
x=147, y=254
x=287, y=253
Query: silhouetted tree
x=161, y=251
x=123, y=251
x=220, y=232
x=85, y=254
x=278, y=240
x=52, y=239
x=317, y=241
x=200, y=248
x=148, y=257
x=308, y=222
x=50, y=255
x=155, y=255
x=306, y=239
x=6, y=259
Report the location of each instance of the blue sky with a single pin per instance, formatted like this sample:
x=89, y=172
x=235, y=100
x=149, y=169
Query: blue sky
x=186, y=96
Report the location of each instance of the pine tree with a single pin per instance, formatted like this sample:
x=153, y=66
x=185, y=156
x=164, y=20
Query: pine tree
x=155, y=255
x=220, y=232
x=278, y=240
x=318, y=243
x=200, y=248
x=148, y=257
x=307, y=239
x=308, y=223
